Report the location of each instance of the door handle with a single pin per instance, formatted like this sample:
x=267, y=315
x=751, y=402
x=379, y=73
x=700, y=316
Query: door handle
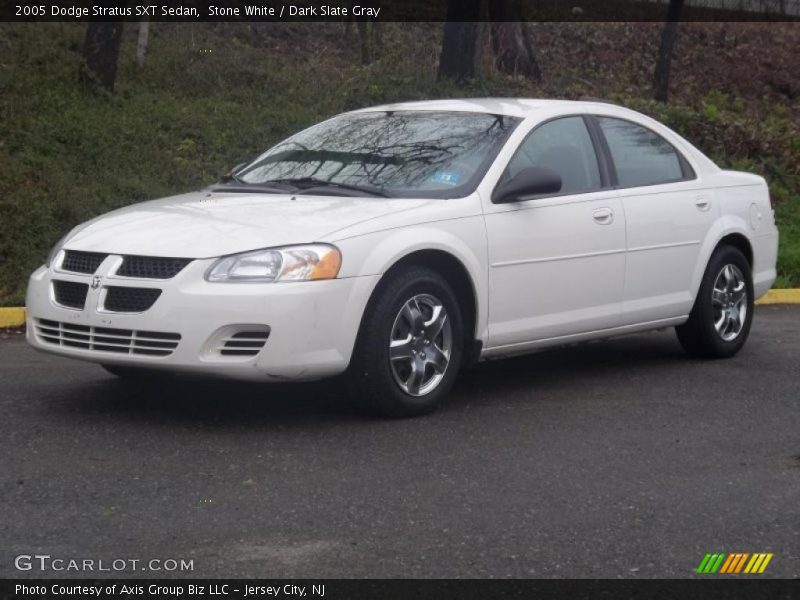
x=603, y=216
x=703, y=203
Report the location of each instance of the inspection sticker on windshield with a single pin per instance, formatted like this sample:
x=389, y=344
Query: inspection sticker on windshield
x=446, y=177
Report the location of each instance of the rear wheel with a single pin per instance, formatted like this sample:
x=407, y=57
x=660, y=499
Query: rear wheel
x=720, y=320
x=410, y=345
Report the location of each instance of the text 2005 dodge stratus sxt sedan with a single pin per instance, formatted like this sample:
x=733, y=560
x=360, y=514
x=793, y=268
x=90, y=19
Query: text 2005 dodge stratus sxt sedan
x=396, y=244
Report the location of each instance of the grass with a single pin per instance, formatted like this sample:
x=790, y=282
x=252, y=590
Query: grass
x=212, y=95
x=787, y=216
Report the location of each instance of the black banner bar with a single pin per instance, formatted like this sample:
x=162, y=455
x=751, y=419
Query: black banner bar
x=405, y=589
x=387, y=10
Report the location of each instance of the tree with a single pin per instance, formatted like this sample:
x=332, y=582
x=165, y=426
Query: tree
x=100, y=54
x=370, y=36
x=461, y=42
x=668, y=36
x=141, y=42
x=512, y=41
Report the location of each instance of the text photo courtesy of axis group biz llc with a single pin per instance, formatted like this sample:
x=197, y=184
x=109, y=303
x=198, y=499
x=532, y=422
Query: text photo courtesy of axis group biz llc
x=410, y=299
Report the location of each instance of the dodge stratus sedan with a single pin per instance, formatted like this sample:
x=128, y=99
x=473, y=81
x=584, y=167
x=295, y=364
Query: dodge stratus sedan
x=396, y=244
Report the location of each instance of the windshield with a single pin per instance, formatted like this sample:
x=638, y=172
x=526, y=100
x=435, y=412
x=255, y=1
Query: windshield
x=419, y=154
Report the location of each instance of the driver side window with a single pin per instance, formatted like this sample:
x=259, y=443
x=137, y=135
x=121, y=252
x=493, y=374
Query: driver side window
x=564, y=146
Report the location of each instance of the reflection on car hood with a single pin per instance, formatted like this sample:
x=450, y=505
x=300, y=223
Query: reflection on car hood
x=205, y=224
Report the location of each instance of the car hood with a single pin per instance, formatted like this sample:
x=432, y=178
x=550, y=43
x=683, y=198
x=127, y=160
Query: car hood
x=207, y=224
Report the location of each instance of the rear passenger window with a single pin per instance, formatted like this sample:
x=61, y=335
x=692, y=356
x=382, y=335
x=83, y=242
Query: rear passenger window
x=641, y=156
x=563, y=145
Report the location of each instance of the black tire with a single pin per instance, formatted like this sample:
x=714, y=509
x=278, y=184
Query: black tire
x=139, y=374
x=372, y=380
x=699, y=336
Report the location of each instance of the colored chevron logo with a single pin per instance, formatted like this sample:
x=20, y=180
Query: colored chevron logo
x=734, y=563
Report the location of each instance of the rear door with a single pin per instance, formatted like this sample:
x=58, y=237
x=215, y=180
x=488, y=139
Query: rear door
x=667, y=216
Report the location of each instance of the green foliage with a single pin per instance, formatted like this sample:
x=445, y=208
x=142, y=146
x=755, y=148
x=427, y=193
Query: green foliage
x=213, y=95
x=787, y=216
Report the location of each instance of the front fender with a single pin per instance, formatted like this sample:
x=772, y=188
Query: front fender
x=463, y=238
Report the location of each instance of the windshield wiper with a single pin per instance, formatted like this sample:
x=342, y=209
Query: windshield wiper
x=307, y=183
x=232, y=184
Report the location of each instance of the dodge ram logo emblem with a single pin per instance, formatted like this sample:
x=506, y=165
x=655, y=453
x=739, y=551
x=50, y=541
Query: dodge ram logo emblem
x=95, y=282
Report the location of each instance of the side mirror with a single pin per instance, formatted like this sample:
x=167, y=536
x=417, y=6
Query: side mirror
x=528, y=182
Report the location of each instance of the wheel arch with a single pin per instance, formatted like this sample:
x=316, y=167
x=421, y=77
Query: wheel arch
x=459, y=262
x=456, y=274
x=455, y=248
x=730, y=231
x=740, y=242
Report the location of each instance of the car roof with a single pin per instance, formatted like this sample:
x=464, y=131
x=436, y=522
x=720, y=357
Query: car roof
x=512, y=107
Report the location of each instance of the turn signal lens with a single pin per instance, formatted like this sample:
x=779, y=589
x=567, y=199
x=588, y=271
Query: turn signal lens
x=329, y=265
x=309, y=263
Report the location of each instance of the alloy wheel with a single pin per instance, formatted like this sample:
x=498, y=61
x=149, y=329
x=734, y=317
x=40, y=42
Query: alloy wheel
x=420, y=345
x=729, y=302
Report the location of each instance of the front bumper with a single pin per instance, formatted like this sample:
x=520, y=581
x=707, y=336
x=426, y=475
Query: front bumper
x=312, y=325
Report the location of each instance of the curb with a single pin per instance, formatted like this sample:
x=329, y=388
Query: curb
x=790, y=296
x=11, y=316
x=15, y=316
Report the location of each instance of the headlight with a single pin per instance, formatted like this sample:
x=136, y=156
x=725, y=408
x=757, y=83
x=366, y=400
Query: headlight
x=292, y=263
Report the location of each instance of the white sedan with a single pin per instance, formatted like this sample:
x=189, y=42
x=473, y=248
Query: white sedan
x=397, y=244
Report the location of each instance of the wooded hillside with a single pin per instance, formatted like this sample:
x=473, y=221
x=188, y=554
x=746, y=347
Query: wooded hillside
x=207, y=96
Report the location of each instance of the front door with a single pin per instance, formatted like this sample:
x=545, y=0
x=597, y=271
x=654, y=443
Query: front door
x=556, y=263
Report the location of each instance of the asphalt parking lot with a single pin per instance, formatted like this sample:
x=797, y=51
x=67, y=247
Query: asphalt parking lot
x=615, y=459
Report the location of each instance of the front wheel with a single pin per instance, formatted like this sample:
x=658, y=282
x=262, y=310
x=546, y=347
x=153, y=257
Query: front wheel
x=409, y=347
x=720, y=320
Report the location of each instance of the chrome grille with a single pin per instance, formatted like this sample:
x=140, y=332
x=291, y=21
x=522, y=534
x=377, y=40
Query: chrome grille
x=244, y=343
x=70, y=293
x=106, y=339
x=129, y=299
x=82, y=262
x=151, y=267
